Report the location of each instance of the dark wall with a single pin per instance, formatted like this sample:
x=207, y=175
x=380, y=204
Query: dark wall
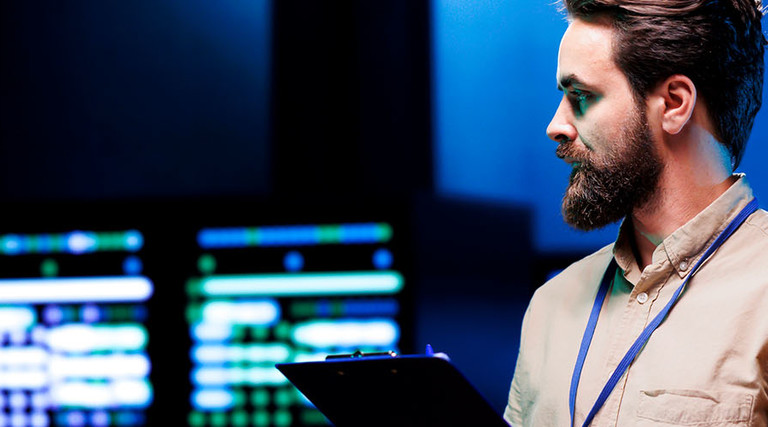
x=352, y=99
x=121, y=99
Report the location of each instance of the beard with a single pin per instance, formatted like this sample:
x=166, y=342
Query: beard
x=605, y=188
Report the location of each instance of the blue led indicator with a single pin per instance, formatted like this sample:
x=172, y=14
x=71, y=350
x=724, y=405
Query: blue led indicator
x=382, y=259
x=133, y=240
x=222, y=238
x=293, y=261
x=132, y=266
x=384, y=307
x=294, y=235
x=11, y=244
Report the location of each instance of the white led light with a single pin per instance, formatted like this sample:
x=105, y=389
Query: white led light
x=221, y=376
x=28, y=379
x=40, y=419
x=213, y=399
x=347, y=333
x=16, y=318
x=79, y=242
x=303, y=284
x=136, y=393
x=75, y=289
x=22, y=357
x=262, y=313
x=211, y=332
x=99, y=366
x=78, y=338
x=132, y=393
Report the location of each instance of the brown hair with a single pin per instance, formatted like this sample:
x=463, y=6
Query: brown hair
x=718, y=44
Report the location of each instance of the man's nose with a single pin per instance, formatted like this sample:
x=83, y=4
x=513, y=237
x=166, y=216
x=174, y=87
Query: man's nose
x=561, y=127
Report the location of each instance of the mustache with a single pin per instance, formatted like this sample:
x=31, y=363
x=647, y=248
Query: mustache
x=566, y=149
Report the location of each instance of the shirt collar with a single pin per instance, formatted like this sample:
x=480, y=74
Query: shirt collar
x=687, y=244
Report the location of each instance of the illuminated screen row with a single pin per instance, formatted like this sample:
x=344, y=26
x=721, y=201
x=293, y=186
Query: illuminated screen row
x=77, y=344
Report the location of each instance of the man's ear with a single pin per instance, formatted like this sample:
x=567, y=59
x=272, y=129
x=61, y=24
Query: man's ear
x=678, y=96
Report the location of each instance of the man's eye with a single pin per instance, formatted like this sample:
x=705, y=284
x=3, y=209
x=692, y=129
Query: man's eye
x=581, y=100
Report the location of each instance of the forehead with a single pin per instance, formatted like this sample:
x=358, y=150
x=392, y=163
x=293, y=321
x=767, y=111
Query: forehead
x=586, y=53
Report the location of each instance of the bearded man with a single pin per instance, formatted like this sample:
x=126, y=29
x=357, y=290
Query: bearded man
x=669, y=324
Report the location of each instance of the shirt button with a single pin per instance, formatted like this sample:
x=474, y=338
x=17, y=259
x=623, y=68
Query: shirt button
x=683, y=265
x=642, y=297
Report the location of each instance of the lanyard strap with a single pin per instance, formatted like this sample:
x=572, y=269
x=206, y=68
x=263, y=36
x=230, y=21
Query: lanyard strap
x=646, y=334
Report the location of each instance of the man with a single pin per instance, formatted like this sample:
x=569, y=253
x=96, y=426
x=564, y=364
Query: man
x=659, y=98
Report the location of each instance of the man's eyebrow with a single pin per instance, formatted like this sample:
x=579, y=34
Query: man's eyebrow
x=569, y=81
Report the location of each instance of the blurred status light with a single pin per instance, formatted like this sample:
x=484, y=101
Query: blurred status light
x=77, y=289
x=118, y=392
x=12, y=318
x=294, y=235
x=256, y=353
x=347, y=333
x=262, y=313
x=379, y=282
x=76, y=242
x=213, y=399
x=75, y=338
x=218, y=376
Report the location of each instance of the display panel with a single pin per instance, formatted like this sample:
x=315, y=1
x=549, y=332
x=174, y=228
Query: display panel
x=273, y=294
x=73, y=350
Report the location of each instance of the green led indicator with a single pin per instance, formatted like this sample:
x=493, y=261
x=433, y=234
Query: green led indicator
x=240, y=418
x=253, y=236
x=194, y=313
x=57, y=243
x=194, y=287
x=49, y=268
x=238, y=333
x=219, y=419
x=282, y=418
x=283, y=397
x=239, y=398
x=33, y=244
x=303, y=309
x=261, y=418
x=260, y=397
x=383, y=232
x=329, y=234
x=196, y=419
x=283, y=331
x=206, y=264
x=337, y=308
x=259, y=333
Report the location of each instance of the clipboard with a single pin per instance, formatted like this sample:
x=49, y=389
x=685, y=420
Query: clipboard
x=392, y=391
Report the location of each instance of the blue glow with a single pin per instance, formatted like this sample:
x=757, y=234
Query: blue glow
x=293, y=261
x=382, y=259
x=133, y=240
x=299, y=235
x=132, y=266
x=11, y=244
x=223, y=238
x=293, y=235
x=381, y=307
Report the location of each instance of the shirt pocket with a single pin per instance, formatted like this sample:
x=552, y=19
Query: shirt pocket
x=694, y=408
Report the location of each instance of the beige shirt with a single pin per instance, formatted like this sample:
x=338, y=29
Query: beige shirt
x=706, y=364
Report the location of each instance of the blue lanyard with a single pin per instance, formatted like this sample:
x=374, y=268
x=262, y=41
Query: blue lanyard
x=646, y=334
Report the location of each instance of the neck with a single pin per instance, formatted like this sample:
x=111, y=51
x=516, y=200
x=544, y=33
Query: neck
x=684, y=190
